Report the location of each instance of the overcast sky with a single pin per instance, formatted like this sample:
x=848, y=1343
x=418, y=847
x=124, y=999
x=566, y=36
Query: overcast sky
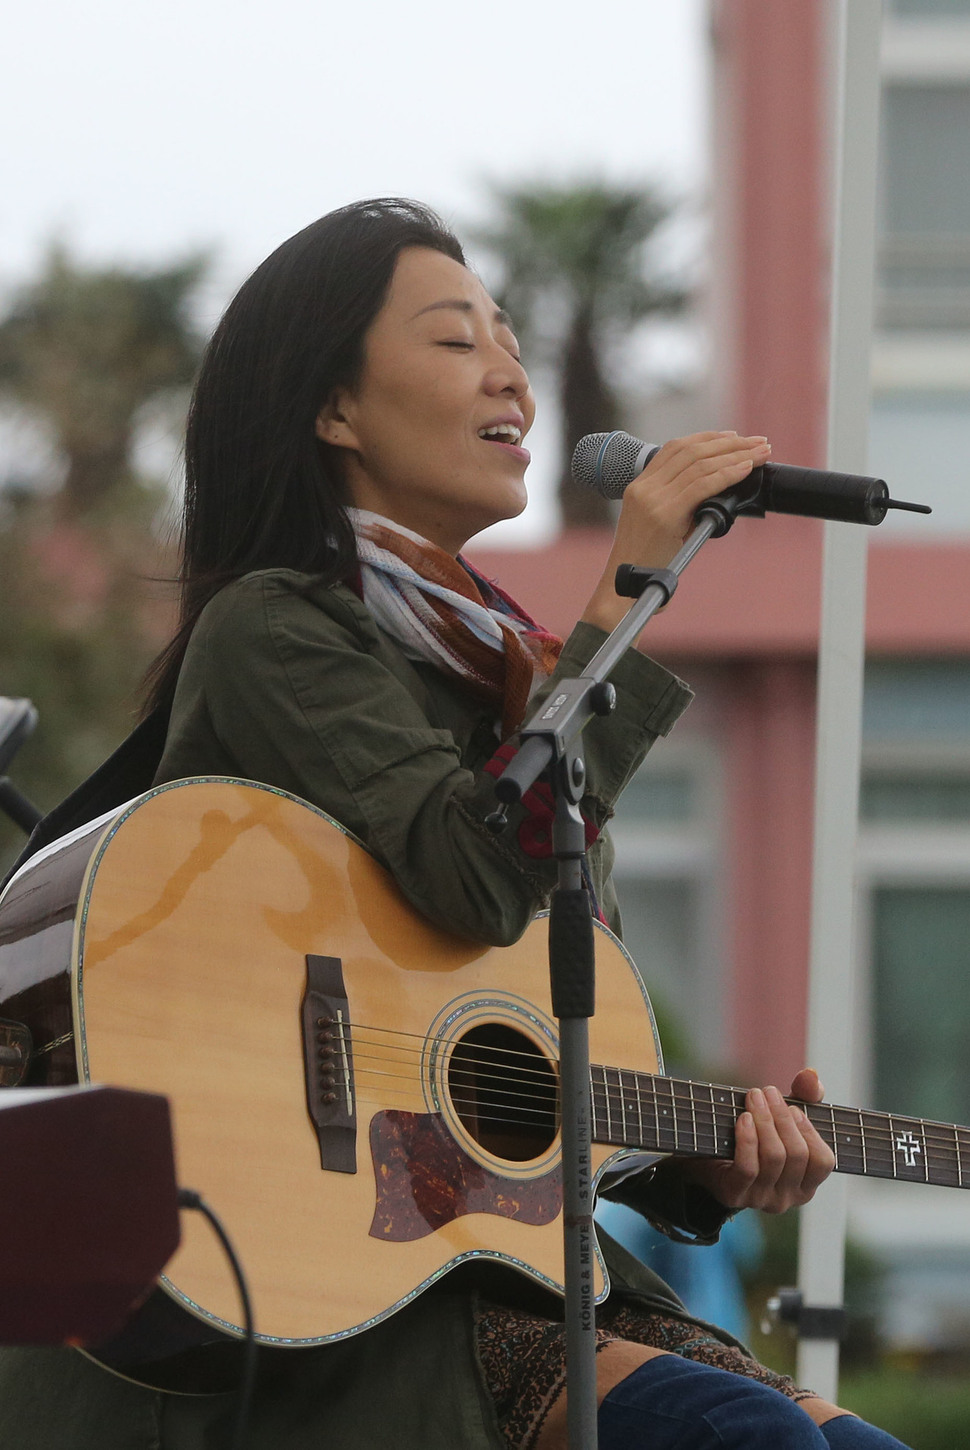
x=137, y=130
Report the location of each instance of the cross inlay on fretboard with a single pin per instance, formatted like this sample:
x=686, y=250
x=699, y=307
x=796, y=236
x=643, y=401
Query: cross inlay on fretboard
x=909, y=1146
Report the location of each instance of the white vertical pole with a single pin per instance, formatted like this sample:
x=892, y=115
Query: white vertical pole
x=841, y=656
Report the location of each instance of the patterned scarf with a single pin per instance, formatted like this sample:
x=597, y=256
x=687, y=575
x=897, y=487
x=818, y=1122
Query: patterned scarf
x=440, y=610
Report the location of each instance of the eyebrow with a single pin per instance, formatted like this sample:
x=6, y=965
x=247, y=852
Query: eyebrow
x=461, y=305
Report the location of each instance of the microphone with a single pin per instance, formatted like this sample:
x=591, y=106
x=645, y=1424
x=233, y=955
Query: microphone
x=608, y=462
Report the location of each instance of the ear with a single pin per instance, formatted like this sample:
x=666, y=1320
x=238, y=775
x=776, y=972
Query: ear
x=333, y=424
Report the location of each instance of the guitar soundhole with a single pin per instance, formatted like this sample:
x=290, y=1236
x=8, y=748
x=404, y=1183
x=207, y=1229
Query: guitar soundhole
x=505, y=1092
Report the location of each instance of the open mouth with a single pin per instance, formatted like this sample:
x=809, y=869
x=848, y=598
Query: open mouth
x=501, y=433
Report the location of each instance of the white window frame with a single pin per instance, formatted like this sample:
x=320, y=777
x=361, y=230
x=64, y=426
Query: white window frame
x=899, y=1217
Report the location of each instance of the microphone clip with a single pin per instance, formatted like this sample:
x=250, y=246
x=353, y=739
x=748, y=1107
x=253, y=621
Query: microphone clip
x=631, y=580
x=741, y=498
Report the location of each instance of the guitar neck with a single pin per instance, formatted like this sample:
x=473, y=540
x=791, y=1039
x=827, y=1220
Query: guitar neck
x=671, y=1115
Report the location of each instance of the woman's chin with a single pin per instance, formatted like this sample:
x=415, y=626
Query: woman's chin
x=500, y=518
x=515, y=502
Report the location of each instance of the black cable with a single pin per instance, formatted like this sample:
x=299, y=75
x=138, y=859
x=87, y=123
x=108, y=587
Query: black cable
x=15, y=804
x=188, y=1198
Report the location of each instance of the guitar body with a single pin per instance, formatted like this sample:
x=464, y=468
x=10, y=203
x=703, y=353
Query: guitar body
x=365, y=1100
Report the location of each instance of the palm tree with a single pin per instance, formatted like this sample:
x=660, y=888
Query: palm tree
x=575, y=278
x=84, y=350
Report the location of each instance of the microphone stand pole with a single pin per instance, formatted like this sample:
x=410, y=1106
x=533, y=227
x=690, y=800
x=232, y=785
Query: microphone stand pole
x=552, y=740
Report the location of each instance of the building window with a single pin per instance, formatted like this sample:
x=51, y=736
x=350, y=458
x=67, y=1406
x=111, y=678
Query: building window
x=915, y=438
x=921, y=1000
x=929, y=795
x=925, y=206
x=928, y=9
x=916, y=715
x=914, y=876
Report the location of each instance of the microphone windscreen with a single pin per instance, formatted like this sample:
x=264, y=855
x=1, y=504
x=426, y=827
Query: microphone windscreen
x=608, y=462
x=88, y=1210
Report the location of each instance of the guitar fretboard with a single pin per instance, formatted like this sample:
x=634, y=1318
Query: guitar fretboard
x=670, y=1115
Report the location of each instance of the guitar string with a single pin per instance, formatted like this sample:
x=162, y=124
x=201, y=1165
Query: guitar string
x=942, y=1139
x=877, y=1136
x=515, y=1074
x=527, y=1103
x=534, y=1101
x=699, y=1148
x=533, y=1069
x=521, y=1075
x=700, y=1131
x=511, y=1122
x=687, y=1101
x=459, y=1101
x=479, y=1058
x=687, y=1098
x=536, y=1098
x=423, y=1038
x=704, y=1146
x=470, y=1103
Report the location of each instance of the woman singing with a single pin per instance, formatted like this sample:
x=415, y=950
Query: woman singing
x=359, y=416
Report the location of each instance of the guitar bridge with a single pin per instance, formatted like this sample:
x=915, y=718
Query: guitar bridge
x=329, y=1064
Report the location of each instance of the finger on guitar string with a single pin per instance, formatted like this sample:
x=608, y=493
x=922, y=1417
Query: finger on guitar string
x=821, y=1159
x=782, y=1166
x=808, y=1159
x=763, y=1155
x=778, y=1163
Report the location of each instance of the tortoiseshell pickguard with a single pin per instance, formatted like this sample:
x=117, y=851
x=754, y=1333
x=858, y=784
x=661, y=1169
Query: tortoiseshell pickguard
x=425, y=1180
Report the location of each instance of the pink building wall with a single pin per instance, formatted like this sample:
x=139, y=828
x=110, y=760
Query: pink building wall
x=769, y=242
x=769, y=183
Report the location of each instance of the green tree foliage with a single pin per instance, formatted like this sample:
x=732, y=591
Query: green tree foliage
x=83, y=352
x=576, y=276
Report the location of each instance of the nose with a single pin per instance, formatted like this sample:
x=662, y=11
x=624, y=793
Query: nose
x=506, y=375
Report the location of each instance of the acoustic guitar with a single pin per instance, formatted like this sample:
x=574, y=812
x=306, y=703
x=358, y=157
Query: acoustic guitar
x=366, y=1100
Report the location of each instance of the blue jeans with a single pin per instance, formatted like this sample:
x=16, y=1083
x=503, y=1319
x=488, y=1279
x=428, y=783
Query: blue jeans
x=671, y=1403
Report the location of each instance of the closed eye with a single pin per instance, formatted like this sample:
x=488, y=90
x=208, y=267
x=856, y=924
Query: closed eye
x=466, y=346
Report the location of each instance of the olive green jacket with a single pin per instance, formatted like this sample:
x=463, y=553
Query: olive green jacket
x=295, y=686
x=292, y=684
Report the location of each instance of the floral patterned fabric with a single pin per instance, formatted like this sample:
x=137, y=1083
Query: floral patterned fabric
x=523, y=1359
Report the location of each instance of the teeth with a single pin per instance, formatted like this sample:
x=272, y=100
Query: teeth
x=503, y=430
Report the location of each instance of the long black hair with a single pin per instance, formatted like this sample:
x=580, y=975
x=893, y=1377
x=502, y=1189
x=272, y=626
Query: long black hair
x=261, y=490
